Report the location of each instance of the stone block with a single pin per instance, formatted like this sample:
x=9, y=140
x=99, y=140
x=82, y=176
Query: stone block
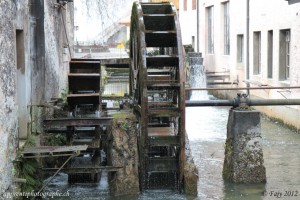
x=244, y=161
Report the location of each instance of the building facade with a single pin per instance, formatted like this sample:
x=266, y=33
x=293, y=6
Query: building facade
x=35, y=38
x=189, y=22
x=257, y=42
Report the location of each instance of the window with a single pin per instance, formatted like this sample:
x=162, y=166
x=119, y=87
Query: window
x=284, y=54
x=21, y=85
x=185, y=5
x=240, y=48
x=256, y=52
x=270, y=54
x=210, y=30
x=194, y=4
x=193, y=42
x=226, y=29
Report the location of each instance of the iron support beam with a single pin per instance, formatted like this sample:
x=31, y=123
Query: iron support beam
x=235, y=102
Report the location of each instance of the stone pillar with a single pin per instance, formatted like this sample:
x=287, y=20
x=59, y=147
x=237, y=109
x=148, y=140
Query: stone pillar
x=191, y=174
x=122, y=152
x=244, y=161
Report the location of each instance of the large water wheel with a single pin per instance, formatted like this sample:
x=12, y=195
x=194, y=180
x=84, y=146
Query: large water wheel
x=157, y=87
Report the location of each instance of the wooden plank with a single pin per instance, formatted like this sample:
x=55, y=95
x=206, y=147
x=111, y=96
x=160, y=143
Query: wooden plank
x=96, y=75
x=83, y=170
x=84, y=83
x=78, y=121
x=84, y=95
x=162, y=60
x=164, y=141
x=159, y=131
x=53, y=149
x=164, y=112
x=89, y=98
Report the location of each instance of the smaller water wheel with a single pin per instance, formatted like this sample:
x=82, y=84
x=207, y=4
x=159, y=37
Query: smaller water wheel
x=157, y=87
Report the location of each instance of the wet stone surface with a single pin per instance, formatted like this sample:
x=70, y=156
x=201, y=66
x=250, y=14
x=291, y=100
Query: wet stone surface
x=244, y=161
x=122, y=151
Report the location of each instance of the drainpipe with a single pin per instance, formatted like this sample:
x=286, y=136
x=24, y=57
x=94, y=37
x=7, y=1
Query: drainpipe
x=198, y=23
x=247, y=43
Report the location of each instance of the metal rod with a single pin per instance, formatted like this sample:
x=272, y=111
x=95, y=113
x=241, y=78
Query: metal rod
x=249, y=102
x=56, y=173
x=198, y=24
x=245, y=88
x=248, y=45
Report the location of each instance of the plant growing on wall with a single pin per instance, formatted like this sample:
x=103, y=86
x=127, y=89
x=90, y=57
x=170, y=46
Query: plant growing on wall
x=29, y=169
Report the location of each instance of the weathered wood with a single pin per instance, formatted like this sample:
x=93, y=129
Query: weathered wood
x=78, y=121
x=52, y=151
x=83, y=170
x=157, y=85
x=164, y=140
x=87, y=98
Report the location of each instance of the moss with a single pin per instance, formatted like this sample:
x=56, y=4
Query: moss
x=55, y=139
x=190, y=179
x=124, y=126
x=124, y=115
x=64, y=94
x=227, y=167
x=281, y=122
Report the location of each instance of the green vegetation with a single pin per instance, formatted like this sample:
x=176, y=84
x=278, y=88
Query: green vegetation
x=55, y=139
x=64, y=94
x=124, y=126
x=227, y=167
x=124, y=115
x=29, y=169
x=123, y=119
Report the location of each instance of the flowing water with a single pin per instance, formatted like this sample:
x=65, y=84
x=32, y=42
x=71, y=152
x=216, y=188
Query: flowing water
x=206, y=128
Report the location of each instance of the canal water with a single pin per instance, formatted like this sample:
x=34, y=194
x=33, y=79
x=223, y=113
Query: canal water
x=206, y=128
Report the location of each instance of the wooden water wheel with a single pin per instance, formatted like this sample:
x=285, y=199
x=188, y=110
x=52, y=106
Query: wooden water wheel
x=157, y=87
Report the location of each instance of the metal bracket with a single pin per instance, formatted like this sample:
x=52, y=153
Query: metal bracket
x=241, y=101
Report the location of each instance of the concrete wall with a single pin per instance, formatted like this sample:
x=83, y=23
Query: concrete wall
x=268, y=15
x=33, y=69
x=58, y=31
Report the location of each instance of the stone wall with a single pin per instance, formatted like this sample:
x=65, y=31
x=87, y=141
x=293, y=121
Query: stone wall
x=8, y=94
x=33, y=69
x=57, y=22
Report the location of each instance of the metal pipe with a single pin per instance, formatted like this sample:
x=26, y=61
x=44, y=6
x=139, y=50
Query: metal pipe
x=245, y=88
x=209, y=103
x=249, y=102
x=248, y=43
x=198, y=24
x=272, y=102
